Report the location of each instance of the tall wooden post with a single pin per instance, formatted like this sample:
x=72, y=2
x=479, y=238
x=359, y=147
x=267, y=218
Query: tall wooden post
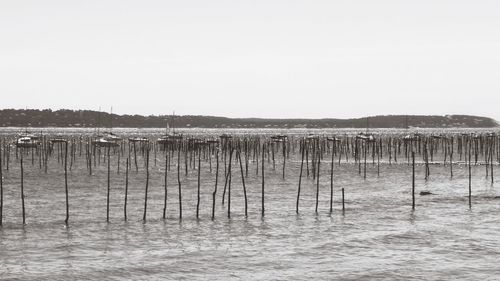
x=147, y=184
x=300, y=175
x=366, y=143
x=229, y=183
x=165, y=184
x=284, y=157
x=413, y=181
x=179, y=179
x=216, y=182
x=66, y=181
x=22, y=189
x=263, y=178
x=109, y=187
x=317, y=182
x=470, y=176
x=451, y=157
x=331, y=181
x=126, y=190
x=1, y=184
x=243, y=182
x=199, y=183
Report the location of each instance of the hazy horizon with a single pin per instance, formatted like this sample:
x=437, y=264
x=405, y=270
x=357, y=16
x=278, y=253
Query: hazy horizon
x=250, y=117
x=258, y=59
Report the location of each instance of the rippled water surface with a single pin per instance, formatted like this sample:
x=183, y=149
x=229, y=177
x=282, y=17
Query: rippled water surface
x=378, y=237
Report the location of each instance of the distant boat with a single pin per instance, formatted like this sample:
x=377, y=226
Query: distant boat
x=312, y=137
x=366, y=137
x=414, y=137
x=138, y=139
x=333, y=139
x=27, y=140
x=212, y=141
x=107, y=140
x=225, y=137
x=58, y=140
x=279, y=138
x=170, y=137
x=111, y=136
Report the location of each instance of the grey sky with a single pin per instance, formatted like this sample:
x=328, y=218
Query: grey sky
x=253, y=58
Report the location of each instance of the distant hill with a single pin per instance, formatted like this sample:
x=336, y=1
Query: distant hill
x=87, y=118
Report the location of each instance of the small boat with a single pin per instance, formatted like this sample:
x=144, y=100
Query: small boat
x=197, y=142
x=58, y=139
x=225, y=136
x=139, y=139
x=212, y=141
x=414, y=137
x=279, y=138
x=28, y=140
x=111, y=136
x=333, y=139
x=102, y=142
x=312, y=137
x=108, y=140
x=169, y=138
x=366, y=137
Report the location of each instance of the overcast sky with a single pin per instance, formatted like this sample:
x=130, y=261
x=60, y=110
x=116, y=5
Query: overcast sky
x=314, y=59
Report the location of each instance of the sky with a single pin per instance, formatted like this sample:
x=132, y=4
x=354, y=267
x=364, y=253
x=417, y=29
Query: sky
x=255, y=58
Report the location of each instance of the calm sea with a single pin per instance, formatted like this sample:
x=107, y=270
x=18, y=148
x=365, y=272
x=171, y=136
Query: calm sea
x=378, y=237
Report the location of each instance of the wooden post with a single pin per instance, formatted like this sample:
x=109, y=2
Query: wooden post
x=66, y=181
x=491, y=157
x=317, y=182
x=256, y=157
x=379, y=152
x=186, y=158
x=22, y=189
x=126, y=190
x=306, y=144
x=272, y=150
x=413, y=181
x=263, y=178
x=154, y=149
x=179, y=179
x=199, y=183
x=229, y=183
x=246, y=158
x=451, y=157
x=107, y=197
x=470, y=176
x=216, y=182
x=129, y=149
x=210, y=158
x=147, y=184
x=89, y=156
x=165, y=184
x=1, y=184
x=300, y=175
x=135, y=158
x=243, y=182
x=118, y=163
x=343, y=204
x=331, y=181
x=365, y=152
x=226, y=174
x=284, y=157
x=357, y=154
